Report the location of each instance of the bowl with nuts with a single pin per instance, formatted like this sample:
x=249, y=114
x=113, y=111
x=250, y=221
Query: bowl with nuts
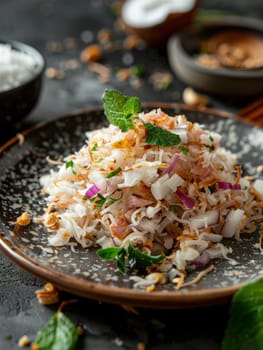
x=222, y=57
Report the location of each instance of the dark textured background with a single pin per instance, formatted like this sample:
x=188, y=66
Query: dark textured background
x=38, y=22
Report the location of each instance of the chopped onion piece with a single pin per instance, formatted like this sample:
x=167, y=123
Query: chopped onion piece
x=232, y=222
x=258, y=186
x=204, y=220
x=228, y=186
x=92, y=191
x=188, y=202
x=171, y=166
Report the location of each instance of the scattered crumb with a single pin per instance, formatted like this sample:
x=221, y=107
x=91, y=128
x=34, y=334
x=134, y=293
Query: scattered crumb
x=104, y=35
x=118, y=341
x=53, y=73
x=141, y=346
x=23, y=341
x=48, y=295
x=54, y=47
x=194, y=99
x=80, y=330
x=161, y=80
x=91, y=53
x=150, y=289
x=24, y=219
x=131, y=42
x=21, y=139
x=70, y=43
x=260, y=169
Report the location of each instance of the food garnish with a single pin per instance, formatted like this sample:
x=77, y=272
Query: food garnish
x=155, y=193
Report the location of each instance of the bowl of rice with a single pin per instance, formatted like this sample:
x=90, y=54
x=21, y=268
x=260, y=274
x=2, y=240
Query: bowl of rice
x=21, y=72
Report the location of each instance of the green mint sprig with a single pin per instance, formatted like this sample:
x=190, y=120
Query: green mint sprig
x=160, y=137
x=120, y=109
x=131, y=257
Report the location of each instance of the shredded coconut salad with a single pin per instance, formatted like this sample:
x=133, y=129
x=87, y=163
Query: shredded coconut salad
x=176, y=201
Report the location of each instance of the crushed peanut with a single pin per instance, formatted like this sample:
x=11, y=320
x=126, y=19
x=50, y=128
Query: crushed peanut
x=91, y=53
x=48, y=295
x=140, y=346
x=194, y=99
x=24, y=219
x=23, y=341
x=52, y=222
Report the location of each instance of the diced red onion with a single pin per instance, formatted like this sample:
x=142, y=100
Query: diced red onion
x=201, y=261
x=171, y=166
x=92, y=191
x=232, y=222
x=204, y=220
x=228, y=186
x=236, y=187
x=188, y=202
x=224, y=185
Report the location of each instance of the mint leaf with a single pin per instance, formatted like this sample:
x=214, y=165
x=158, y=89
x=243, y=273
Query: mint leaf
x=120, y=109
x=132, y=256
x=245, y=326
x=110, y=253
x=59, y=333
x=160, y=137
x=139, y=259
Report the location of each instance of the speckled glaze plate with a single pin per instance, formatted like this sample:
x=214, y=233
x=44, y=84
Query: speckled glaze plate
x=80, y=271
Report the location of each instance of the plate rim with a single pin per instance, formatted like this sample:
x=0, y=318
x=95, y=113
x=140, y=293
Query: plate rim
x=107, y=293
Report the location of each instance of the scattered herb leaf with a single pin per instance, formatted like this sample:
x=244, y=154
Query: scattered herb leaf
x=132, y=256
x=138, y=71
x=174, y=208
x=138, y=258
x=95, y=146
x=184, y=150
x=70, y=164
x=212, y=188
x=58, y=333
x=120, y=109
x=245, y=325
x=160, y=137
x=113, y=173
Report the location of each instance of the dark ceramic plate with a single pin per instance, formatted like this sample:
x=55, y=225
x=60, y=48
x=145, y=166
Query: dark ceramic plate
x=80, y=271
x=183, y=47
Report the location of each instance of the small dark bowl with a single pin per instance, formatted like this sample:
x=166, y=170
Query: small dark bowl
x=183, y=47
x=17, y=102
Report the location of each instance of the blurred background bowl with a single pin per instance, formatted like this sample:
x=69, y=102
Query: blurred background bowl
x=158, y=33
x=183, y=48
x=18, y=101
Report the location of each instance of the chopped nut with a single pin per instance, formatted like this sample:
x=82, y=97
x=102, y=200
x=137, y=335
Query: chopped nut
x=124, y=74
x=54, y=46
x=34, y=346
x=161, y=80
x=48, y=295
x=150, y=289
x=131, y=42
x=70, y=43
x=52, y=222
x=53, y=73
x=80, y=330
x=104, y=35
x=192, y=98
x=23, y=341
x=91, y=53
x=140, y=346
x=24, y=219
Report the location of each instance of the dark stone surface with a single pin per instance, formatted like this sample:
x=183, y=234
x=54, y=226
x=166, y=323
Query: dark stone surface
x=39, y=22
